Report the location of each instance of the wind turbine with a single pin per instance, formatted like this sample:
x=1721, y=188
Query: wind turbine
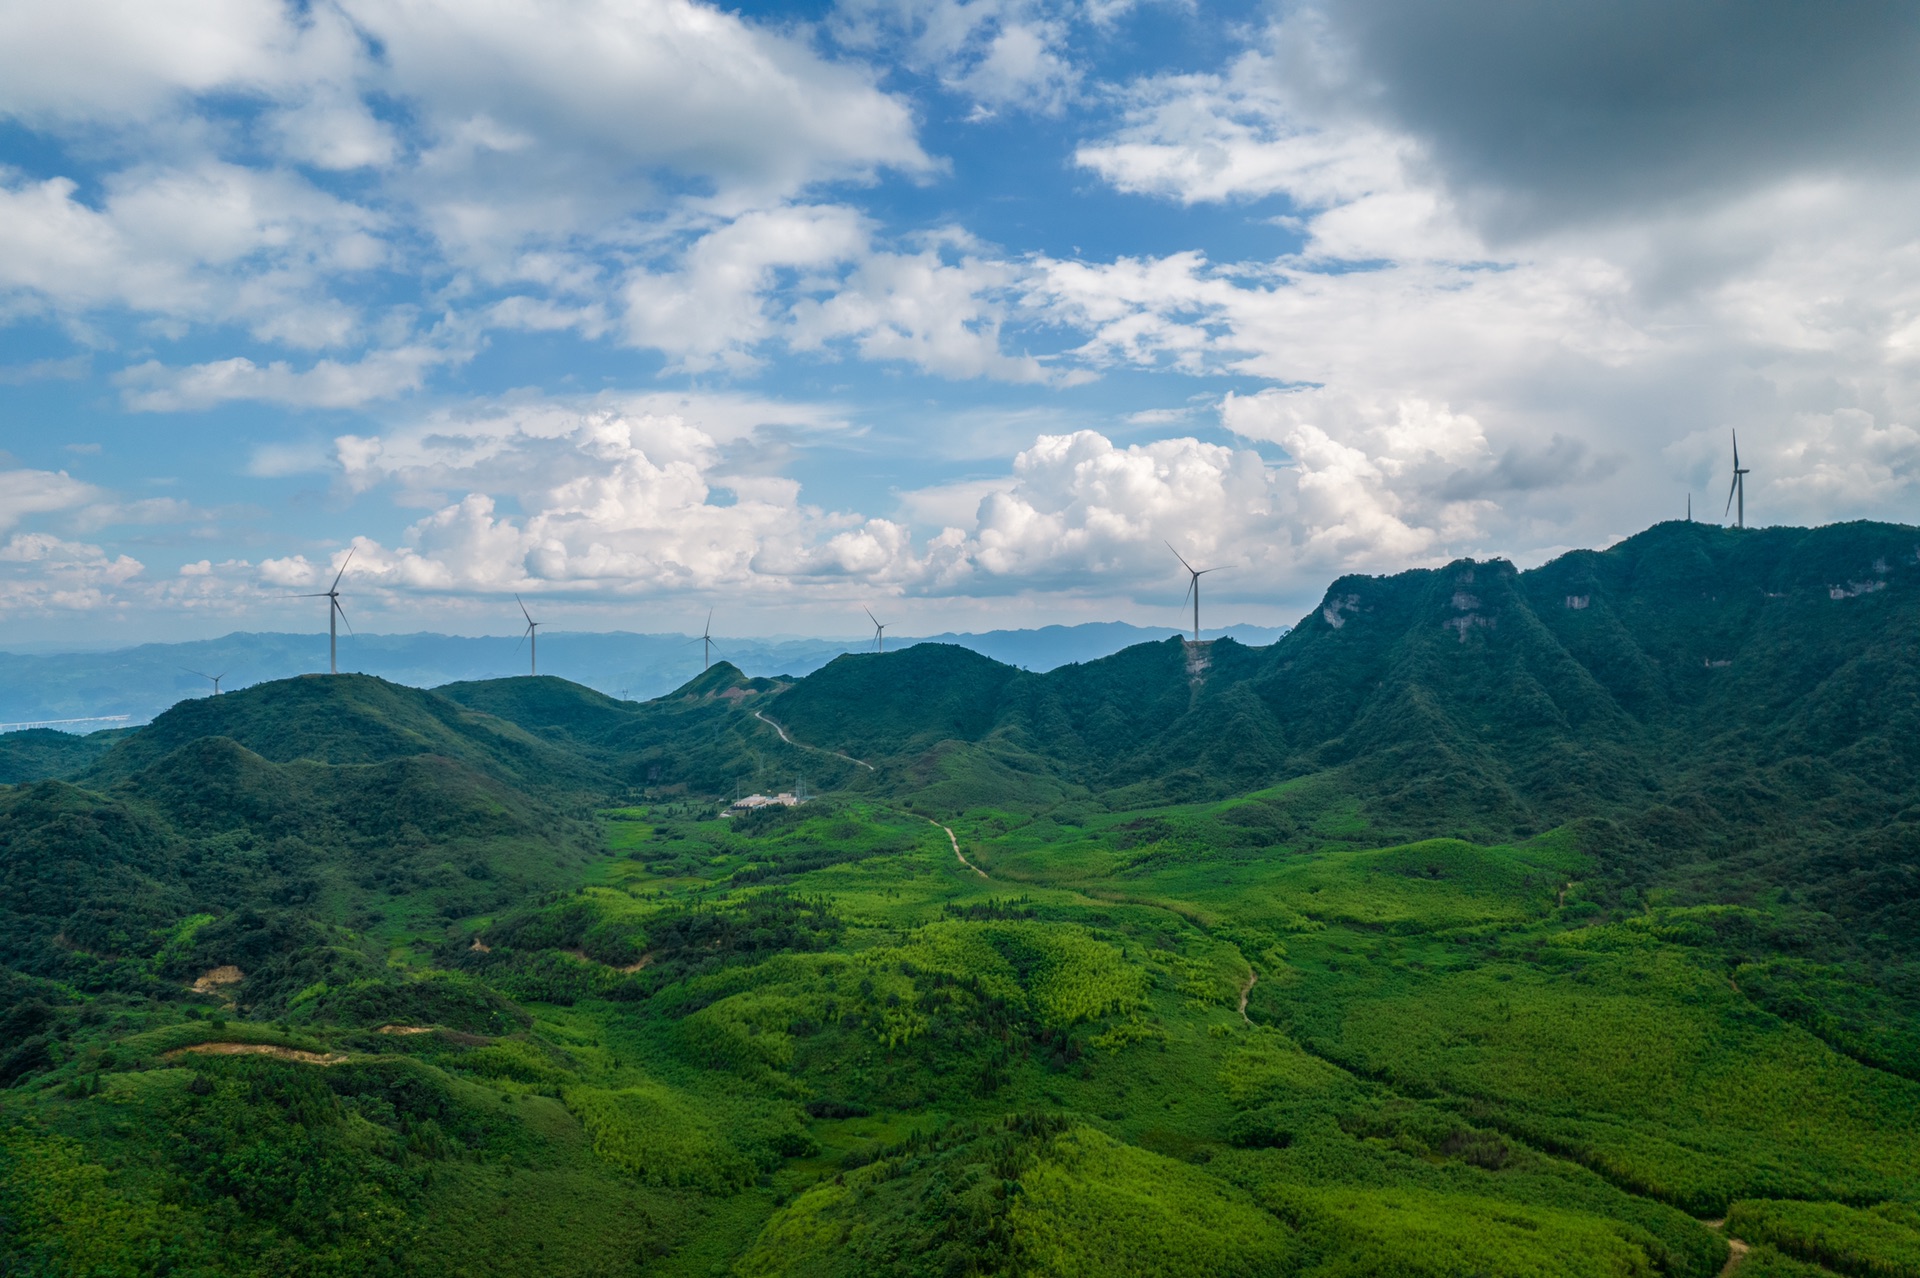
x=705, y=639
x=1193, y=587
x=213, y=679
x=532, y=632
x=879, y=631
x=1739, y=488
x=335, y=613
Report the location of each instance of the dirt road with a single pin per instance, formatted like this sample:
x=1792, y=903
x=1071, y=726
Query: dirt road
x=957, y=854
x=804, y=746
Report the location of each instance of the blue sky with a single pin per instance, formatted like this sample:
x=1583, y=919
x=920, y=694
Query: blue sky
x=961, y=309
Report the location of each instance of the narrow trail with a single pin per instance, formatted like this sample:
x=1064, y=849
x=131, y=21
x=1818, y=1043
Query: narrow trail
x=958, y=856
x=1245, y=990
x=1736, y=1250
x=804, y=746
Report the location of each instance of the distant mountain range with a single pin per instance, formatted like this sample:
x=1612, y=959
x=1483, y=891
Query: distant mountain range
x=142, y=681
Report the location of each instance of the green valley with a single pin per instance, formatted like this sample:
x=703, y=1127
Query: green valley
x=1492, y=923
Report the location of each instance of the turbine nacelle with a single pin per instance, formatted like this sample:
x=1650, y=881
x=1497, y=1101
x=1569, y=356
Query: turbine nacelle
x=335, y=613
x=530, y=636
x=705, y=639
x=1738, y=489
x=1193, y=587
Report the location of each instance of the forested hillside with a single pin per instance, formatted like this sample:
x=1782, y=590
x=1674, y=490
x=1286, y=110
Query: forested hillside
x=1557, y=922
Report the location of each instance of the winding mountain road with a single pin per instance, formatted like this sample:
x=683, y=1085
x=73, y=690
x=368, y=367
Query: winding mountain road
x=804, y=746
x=952, y=838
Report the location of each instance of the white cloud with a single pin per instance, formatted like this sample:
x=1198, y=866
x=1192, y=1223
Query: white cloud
x=1243, y=134
x=1079, y=508
x=214, y=242
x=589, y=100
x=1375, y=480
x=1578, y=353
x=40, y=572
x=155, y=388
x=24, y=493
x=943, y=317
x=111, y=61
x=715, y=308
x=523, y=141
x=563, y=500
x=1003, y=54
x=810, y=278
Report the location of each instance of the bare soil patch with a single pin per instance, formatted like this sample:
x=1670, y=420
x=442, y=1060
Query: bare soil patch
x=259, y=1049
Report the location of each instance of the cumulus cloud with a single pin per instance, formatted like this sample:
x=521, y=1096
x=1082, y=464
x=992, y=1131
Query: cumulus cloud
x=547, y=497
x=810, y=278
x=1079, y=508
x=562, y=500
x=24, y=493
x=524, y=142
x=943, y=316
x=215, y=242
x=1580, y=349
x=594, y=98
x=40, y=572
x=715, y=307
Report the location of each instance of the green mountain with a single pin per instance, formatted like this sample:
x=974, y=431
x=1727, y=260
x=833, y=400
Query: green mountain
x=1516, y=923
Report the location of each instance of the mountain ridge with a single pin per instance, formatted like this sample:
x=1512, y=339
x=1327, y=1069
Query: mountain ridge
x=1513, y=922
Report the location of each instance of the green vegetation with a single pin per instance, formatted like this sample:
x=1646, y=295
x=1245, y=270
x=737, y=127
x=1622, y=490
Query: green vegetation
x=1881, y=1242
x=1464, y=932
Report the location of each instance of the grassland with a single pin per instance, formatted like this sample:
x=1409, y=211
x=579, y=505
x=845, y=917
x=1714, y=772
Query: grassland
x=824, y=1046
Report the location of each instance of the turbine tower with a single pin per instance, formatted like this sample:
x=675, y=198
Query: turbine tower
x=335, y=614
x=879, y=631
x=705, y=640
x=531, y=634
x=1739, y=489
x=213, y=679
x=1193, y=587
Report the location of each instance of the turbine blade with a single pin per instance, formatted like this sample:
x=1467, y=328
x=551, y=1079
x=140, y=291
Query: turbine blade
x=343, y=616
x=523, y=609
x=870, y=616
x=709, y=629
x=1730, y=487
x=1177, y=555
x=343, y=569
x=1736, y=450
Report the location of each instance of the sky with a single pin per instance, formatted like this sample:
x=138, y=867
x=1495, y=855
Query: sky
x=957, y=311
